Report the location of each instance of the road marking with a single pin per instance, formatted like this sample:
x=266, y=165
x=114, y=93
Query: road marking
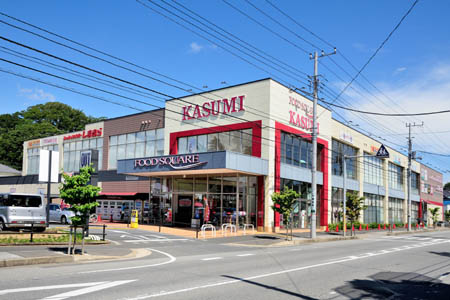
x=132, y=236
x=246, y=254
x=88, y=290
x=154, y=240
x=50, y=287
x=118, y=231
x=115, y=242
x=212, y=258
x=171, y=260
x=165, y=293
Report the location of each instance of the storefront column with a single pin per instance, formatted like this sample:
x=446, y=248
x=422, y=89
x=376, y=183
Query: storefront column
x=260, y=204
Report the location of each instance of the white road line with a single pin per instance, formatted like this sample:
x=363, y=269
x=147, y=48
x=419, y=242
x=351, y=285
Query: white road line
x=171, y=260
x=212, y=258
x=118, y=231
x=115, y=242
x=157, y=236
x=154, y=240
x=246, y=254
x=164, y=293
x=87, y=290
x=50, y=287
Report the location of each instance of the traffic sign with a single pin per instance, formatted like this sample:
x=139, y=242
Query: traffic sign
x=382, y=152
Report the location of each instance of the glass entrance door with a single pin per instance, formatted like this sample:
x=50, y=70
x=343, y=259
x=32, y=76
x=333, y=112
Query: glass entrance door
x=184, y=211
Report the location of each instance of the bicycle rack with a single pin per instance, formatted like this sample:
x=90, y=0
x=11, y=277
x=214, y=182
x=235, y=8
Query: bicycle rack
x=226, y=226
x=208, y=226
x=247, y=226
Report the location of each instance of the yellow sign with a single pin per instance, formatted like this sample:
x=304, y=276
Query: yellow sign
x=134, y=218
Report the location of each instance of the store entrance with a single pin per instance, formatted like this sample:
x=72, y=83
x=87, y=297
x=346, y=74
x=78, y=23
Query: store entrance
x=184, y=211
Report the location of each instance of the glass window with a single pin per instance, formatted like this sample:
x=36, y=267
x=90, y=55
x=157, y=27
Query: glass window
x=202, y=143
x=395, y=177
x=85, y=145
x=160, y=134
x=338, y=151
x=150, y=148
x=130, y=150
x=373, y=170
x=93, y=144
x=224, y=141
x=247, y=141
x=112, y=163
x=229, y=184
x=235, y=141
x=212, y=141
x=214, y=185
x=395, y=210
x=192, y=144
x=121, y=151
x=374, y=211
x=113, y=140
x=122, y=139
x=131, y=138
x=151, y=135
x=160, y=147
x=182, y=145
x=140, y=150
x=140, y=136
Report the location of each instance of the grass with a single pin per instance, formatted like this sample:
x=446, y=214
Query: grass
x=42, y=238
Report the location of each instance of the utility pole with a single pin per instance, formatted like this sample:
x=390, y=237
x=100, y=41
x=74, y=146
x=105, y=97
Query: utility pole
x=411, y=155
x=314, y=141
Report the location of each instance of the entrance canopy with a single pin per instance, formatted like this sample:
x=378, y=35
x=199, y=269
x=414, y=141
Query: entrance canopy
x=196, y=163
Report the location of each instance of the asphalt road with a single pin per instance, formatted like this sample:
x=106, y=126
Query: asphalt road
x=379, y=267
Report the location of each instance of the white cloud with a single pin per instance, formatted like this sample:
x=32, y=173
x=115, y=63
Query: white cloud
x=36, y=94
x=399, y=70
x=195, y=48
x=429, y=92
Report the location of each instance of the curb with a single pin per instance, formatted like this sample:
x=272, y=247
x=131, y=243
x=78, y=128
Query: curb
x=36, y=261
x=53, y=244
x=86, y=258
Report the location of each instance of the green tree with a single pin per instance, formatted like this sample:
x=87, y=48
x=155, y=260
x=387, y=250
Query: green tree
x=38, y=121
x=434, y=214
x=284, y=204
x=447, y=186
x=354, y=206
x=447, y=215
x=81, y=196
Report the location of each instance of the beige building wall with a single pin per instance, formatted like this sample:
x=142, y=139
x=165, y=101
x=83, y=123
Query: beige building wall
x=367, y=145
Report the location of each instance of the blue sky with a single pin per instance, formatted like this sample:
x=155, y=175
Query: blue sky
x=411, y=72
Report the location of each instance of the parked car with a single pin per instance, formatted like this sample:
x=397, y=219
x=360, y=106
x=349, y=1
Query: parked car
x=443, y=223
x=60, y=215
x=19, y=210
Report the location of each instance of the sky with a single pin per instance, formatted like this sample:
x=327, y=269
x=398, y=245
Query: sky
x=411, y=73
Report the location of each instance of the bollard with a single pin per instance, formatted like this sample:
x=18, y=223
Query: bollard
x=104, y=232
x=384, y=226
x=327, y=229
x=367, y=227
x=393, y=226
x=337, y=228
x=360, y=227
x=417, y=226
x=379, y=227
x=196, y=230
x=406, y=225
x=31, y=235
x=353, y=227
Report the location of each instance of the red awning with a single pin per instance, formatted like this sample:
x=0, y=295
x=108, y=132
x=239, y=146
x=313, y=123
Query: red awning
x=433, y=202
x=117, y=194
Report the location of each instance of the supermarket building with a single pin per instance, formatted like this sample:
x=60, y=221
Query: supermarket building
x=218, y=156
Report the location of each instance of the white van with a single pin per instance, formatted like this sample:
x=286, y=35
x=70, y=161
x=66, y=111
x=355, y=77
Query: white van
x=19, y=210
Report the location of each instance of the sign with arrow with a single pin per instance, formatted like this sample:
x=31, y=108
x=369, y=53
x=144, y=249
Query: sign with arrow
x=382, y=152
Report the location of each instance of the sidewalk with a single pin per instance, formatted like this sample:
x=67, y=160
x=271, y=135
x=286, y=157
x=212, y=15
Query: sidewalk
x=30, y=255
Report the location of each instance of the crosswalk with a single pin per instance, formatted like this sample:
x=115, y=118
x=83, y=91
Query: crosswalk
x=413, y=239
x=150, y=238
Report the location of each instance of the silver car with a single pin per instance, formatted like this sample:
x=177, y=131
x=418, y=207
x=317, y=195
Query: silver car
x=18, y=210
x=59, y=215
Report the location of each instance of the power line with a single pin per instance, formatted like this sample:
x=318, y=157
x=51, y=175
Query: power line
x=387, y=114
x=378, y=49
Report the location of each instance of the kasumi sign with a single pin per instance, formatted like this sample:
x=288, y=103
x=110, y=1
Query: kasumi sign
x=176, y=162
x=214, y=108
x=303, y=119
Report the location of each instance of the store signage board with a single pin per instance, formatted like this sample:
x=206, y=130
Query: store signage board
x=214, y=108
x=302, y=116
x=175, y=162
x=44, y=159
x=382, y=152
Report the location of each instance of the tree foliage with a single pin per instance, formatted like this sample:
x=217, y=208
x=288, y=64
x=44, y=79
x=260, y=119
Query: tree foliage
x=354, y=206
x=447, y=186
x=434, y=214
x=38, y=121
x=447, y=215
x=283, y=203
x=79, y=194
